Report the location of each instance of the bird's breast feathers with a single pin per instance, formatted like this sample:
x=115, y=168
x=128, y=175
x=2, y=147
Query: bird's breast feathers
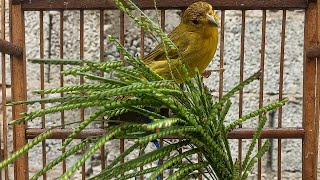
x=201, y=50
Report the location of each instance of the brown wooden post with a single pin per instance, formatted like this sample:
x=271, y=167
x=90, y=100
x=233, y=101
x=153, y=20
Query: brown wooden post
x=316, y=144
x=317, y=47
x=309, y=95
x=19, y=90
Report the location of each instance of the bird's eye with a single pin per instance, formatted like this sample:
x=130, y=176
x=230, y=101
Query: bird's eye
x=195, y=22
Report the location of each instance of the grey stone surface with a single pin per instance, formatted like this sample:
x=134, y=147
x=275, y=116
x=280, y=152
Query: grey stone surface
x=293, y=69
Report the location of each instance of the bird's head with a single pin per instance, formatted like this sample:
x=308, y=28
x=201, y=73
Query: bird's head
x=200, y=15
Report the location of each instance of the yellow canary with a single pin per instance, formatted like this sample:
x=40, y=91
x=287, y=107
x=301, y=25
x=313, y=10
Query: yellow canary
x=196, y=37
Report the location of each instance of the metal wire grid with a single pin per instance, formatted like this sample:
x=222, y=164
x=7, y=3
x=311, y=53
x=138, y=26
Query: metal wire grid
x=239, y=134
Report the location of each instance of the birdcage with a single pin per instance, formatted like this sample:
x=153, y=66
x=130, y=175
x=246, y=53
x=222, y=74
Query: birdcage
x=280, y=38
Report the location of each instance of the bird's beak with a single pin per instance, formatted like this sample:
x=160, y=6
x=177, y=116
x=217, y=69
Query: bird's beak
x=212, y=22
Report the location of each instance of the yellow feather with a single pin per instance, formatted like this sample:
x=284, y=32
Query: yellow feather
x=196, y=38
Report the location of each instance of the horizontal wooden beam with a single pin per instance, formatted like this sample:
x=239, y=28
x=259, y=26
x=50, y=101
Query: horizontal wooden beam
x=243, y=133
x=9, y=48
x=268, y=133
x=162, y=4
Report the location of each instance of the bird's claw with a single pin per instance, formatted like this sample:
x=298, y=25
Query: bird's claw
x=206, y=73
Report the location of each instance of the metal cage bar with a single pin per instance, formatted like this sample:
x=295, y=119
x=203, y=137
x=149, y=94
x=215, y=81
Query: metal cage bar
x=281, y=87
x=102, y=150
x=142, y=37
x=82, y=111
x=242, y=46
x=43, y=118
x=122, y=39
x=61, y=50
x=261, y=89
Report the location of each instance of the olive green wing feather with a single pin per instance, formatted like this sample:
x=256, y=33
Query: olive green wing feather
x=158, y=53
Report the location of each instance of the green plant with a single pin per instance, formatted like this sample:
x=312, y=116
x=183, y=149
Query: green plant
x=199, y=119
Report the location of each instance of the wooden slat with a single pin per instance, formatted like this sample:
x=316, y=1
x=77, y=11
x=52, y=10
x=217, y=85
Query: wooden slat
x=163, y=4
x=241, y=133
x=309, y=99
x=19, y=91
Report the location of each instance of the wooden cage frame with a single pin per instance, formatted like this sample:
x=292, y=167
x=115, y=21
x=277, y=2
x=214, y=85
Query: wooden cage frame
x=311, y=88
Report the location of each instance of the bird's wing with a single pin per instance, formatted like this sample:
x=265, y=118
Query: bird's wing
x=158, y=53
x=163, y=67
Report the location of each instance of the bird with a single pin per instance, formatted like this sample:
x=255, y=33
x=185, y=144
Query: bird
x=196, y=38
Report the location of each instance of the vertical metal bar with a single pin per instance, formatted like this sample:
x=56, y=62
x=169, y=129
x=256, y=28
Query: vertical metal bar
x=102, y=150
x=221, y=54
x=200, y=159
x=102, y=36
x=309, y=166
x=121, y=31
x=4, y=91
x=121, y=56
x=19, y=89
x=83, y=170
x=142, y=34
x=64, y=164
x=243, y=28
x=163, y=27
x=180, y=149
x=221, y=72
x=43, y=120
x=3, y=81
x=263, y=47
x=163, y=19
x=283, y=35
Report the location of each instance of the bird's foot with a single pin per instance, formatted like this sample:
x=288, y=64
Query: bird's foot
x=206, y=73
